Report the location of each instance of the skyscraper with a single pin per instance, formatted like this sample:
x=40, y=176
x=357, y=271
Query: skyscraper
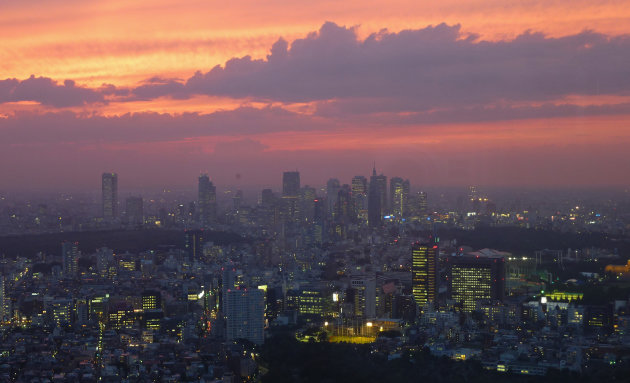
x=193, y=243
x=290, y=195
x=474, y=278
x=2, y=291
x=359, y=195
x=424, y=273
x=364, y=296
x=70, y=259
x=245, y=314
x=374, y=206
x=399, y=197
x=207, y=200
x=291, y=184
x=307, y=203
x=110, y=196
x=344, y=208
x=377, y=195
x=332, y=191
x=423, y=206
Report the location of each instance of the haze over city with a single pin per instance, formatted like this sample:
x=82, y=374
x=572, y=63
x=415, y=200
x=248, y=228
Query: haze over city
x=326, y=191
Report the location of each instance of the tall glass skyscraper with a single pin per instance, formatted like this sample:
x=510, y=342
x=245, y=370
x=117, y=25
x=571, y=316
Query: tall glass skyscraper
x=110, y=195
x=424, y=273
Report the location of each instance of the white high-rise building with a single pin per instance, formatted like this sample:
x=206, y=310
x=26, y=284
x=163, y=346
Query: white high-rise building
x=70, y=258
x=245, y=314
x=364, y=296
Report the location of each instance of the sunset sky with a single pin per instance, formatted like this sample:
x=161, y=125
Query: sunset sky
x=487, y=92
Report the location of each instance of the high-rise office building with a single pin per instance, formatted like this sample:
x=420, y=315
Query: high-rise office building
x=290, y=196
x=110, y=196
x=374, y=207
x=307, y=203
x=424, y=273
x=104, y=257
x=377, y=195
x=70, y=259
x=2, y=292
x=381, y=186
x=364, y=296
x=332, y=191
x=344, y=208
x=193, y=243
x=399, y=197
x=360, y=195
x=423, y=206
x=291, y=184
x=228, y=282
x=151, y=300
x=474, y=278
x=134, y=210
x=207, y=200
x=245, y=314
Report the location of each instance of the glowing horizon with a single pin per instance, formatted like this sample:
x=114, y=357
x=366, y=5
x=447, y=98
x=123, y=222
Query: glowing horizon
x=478, y=93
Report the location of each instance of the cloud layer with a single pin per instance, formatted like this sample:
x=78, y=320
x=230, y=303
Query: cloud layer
x=432, y=69
x=333, y=100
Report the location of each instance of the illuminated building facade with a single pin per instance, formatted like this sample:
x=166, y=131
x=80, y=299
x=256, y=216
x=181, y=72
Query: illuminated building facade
x=98, y=307
x=364, y=296
x=121, y=316
x=424, y=273
x=307, y=203
x=193, y=242
x=110, y=196
x=62, y=311
x=360, y=195
x=2, y=309
x=70, y=259
x=151, y=300
x=399, y=197
x=475, y=278
x=307, y=302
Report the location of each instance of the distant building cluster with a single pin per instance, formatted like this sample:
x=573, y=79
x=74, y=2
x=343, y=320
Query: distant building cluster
x=365, y=262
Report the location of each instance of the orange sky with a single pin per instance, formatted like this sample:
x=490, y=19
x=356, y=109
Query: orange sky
x=122, y=42
x=126, y=43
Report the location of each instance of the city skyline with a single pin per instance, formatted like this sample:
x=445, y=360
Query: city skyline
x=281, y=191
x=435, y=93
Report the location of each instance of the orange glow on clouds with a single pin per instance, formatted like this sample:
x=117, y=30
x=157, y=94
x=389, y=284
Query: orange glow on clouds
x=122, y=43
x=125, y=43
